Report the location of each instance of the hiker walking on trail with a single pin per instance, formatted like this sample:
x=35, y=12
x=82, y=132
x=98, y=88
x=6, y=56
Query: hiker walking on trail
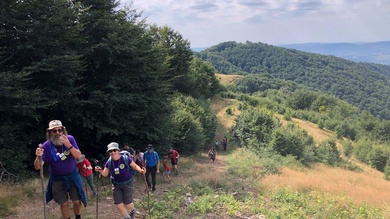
x=61, y=151
x=140, y=158
x=224, y=143
x=118, y=166
x=130, y=150
x=85, y=171
x=216, y=145
x=152, y=164
x=212, y=154
x=174, y=155
x=167, y=170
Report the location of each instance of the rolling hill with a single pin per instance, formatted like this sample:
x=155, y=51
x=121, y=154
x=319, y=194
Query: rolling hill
x=363, y=85
x=374, y=52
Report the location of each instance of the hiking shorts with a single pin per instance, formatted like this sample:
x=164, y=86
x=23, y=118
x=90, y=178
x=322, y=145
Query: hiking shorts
x=60, y=195
x=123, y=193
x=174, y=161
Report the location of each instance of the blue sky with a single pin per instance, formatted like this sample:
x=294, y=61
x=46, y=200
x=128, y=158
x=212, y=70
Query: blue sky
x=208, y=22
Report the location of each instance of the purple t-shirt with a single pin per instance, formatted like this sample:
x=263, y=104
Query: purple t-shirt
x=119, y=165
x=59, y=158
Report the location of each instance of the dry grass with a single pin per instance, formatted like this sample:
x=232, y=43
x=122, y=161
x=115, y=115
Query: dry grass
x=312, y=129
x=228, y=79
x=361, y=187
x=368, y=186
x=219, y=106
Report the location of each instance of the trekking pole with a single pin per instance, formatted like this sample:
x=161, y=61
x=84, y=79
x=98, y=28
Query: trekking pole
x=97, y=197
x=42, y=184
x=147, y=189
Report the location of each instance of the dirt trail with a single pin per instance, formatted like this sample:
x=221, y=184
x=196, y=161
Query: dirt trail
x=106, y=208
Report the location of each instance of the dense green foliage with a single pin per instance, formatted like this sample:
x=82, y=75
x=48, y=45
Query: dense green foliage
x=367, y=138
x=361, y=84
x=106, y=74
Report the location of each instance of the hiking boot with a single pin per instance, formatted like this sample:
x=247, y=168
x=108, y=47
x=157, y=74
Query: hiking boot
x=154, y=189
x=132, y=214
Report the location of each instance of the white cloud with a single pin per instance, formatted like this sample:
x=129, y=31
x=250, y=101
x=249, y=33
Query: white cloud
x=208, y=22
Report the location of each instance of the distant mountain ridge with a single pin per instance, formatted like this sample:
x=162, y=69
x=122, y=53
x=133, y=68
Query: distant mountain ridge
x=374, y=52
x=364, y=85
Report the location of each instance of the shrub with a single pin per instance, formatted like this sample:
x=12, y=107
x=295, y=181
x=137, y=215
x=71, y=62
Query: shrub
x=347, y=148
x=327, y=153
x=290, y=140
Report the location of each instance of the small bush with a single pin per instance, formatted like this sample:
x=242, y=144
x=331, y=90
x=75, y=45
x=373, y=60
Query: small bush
x=348, y=148
x=327, y=153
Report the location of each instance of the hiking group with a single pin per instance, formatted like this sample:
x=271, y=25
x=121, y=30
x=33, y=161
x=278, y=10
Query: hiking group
x=68, y=168
x=212, y=153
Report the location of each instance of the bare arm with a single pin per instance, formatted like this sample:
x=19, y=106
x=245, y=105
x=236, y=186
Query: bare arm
x=137, y=168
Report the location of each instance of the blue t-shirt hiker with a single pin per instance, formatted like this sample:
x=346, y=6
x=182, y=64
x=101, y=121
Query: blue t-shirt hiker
x=152, y=164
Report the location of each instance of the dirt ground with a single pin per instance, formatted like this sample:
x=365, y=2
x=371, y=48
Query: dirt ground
x=103, y=207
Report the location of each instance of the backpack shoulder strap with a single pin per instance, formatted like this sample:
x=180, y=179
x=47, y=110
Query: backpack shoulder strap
x=109, y=162
x=126, y=160
x=155, y=155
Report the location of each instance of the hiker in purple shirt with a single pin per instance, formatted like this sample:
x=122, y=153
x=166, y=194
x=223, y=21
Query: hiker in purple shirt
x=60, y=151
x=118, y=166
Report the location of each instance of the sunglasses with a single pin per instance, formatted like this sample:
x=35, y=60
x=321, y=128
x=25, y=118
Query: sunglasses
x=56, y=130
x=112, y=151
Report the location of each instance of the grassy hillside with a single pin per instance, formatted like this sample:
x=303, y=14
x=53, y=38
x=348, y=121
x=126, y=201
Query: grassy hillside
x=361, y=84
x=233, y=187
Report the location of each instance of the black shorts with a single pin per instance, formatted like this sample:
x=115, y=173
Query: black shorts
x=173, y=162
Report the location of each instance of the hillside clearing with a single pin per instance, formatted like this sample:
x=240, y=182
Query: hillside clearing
x=368, y=186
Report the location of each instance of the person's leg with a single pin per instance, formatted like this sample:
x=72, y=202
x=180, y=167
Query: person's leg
x=122, y=209
x=90, y=183
x=65, y=209
x=61, y=197
x=176, y=170
x=75, y=197
x=128, y=191
x=77, y=207
x=147, y=177
x=123, y=198
x=154, y=173
x=118, y=200
x=131, y=209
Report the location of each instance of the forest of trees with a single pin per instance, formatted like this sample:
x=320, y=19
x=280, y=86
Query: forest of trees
x=108, y=75
x=363, y=85
x=105, y=73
